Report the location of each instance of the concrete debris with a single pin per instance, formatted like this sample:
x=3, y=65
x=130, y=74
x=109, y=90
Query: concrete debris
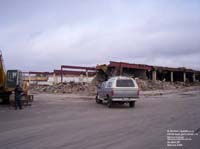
x=162, y=85
x=68, y=88
x=90, y=88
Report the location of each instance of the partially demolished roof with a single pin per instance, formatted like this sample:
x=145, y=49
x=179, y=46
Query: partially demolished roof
x=128, y=65
x=148, y=67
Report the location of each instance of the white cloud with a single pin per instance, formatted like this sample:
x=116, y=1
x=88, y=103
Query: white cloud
x=139, y=32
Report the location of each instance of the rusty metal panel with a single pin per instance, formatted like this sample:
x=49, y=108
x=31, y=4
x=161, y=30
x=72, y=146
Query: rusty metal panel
x=70, y=72
x=128, y=65
x=40, y=73
x=78, y=67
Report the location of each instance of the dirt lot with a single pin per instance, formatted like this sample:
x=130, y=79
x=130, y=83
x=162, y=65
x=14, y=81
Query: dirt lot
x=69, y=121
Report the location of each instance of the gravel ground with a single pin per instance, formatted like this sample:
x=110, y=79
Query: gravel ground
x=77, y=122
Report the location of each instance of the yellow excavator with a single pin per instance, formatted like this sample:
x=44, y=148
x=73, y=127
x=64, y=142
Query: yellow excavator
x=8, y=82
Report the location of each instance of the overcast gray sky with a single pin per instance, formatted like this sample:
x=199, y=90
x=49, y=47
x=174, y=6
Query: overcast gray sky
x=41, y=35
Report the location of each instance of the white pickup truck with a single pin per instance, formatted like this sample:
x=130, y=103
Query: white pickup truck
x=118, y=90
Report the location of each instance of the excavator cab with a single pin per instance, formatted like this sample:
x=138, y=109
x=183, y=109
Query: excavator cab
x=13, y=78
x=8, y=82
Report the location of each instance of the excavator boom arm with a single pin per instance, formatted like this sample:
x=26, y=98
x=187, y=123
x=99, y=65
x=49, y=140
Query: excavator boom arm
x=2, y=72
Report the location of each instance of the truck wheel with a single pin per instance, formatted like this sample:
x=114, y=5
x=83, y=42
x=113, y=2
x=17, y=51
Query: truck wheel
x=98, y=101
x=132, y=104
x=109, y=103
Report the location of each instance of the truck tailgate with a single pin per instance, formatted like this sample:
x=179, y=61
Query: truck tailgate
x=128, y=92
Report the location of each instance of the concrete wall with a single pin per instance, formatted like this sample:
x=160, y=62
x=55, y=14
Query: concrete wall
x=57, y=79
x=52, y=79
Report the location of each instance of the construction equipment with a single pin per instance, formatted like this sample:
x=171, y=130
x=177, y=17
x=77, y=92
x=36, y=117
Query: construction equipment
x=8, y=82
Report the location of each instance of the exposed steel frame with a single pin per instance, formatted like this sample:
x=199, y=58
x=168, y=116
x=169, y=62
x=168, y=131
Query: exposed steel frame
x=75, y=67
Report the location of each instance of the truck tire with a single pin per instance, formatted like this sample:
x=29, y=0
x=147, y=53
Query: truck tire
x=109, y=102
x=98, y=101
x=132, y=104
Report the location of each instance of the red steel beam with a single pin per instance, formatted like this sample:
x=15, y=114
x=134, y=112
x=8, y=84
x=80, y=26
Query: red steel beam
x=78, y=67
x=128, y=65
x=180, y=69
x=148, y=67
x=37, y=72
x=69, y=72
x=167, y=68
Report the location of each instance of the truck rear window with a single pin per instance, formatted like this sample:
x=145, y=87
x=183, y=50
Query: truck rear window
x=125, y=83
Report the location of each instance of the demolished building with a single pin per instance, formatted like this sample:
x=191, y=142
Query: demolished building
x=72, y=74
x=101, y=73
x=79, y=79
x=148, y=72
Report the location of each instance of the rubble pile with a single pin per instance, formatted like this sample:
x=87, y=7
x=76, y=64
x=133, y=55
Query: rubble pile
x=70, y=88
x=162, y=85
x=91, y=88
